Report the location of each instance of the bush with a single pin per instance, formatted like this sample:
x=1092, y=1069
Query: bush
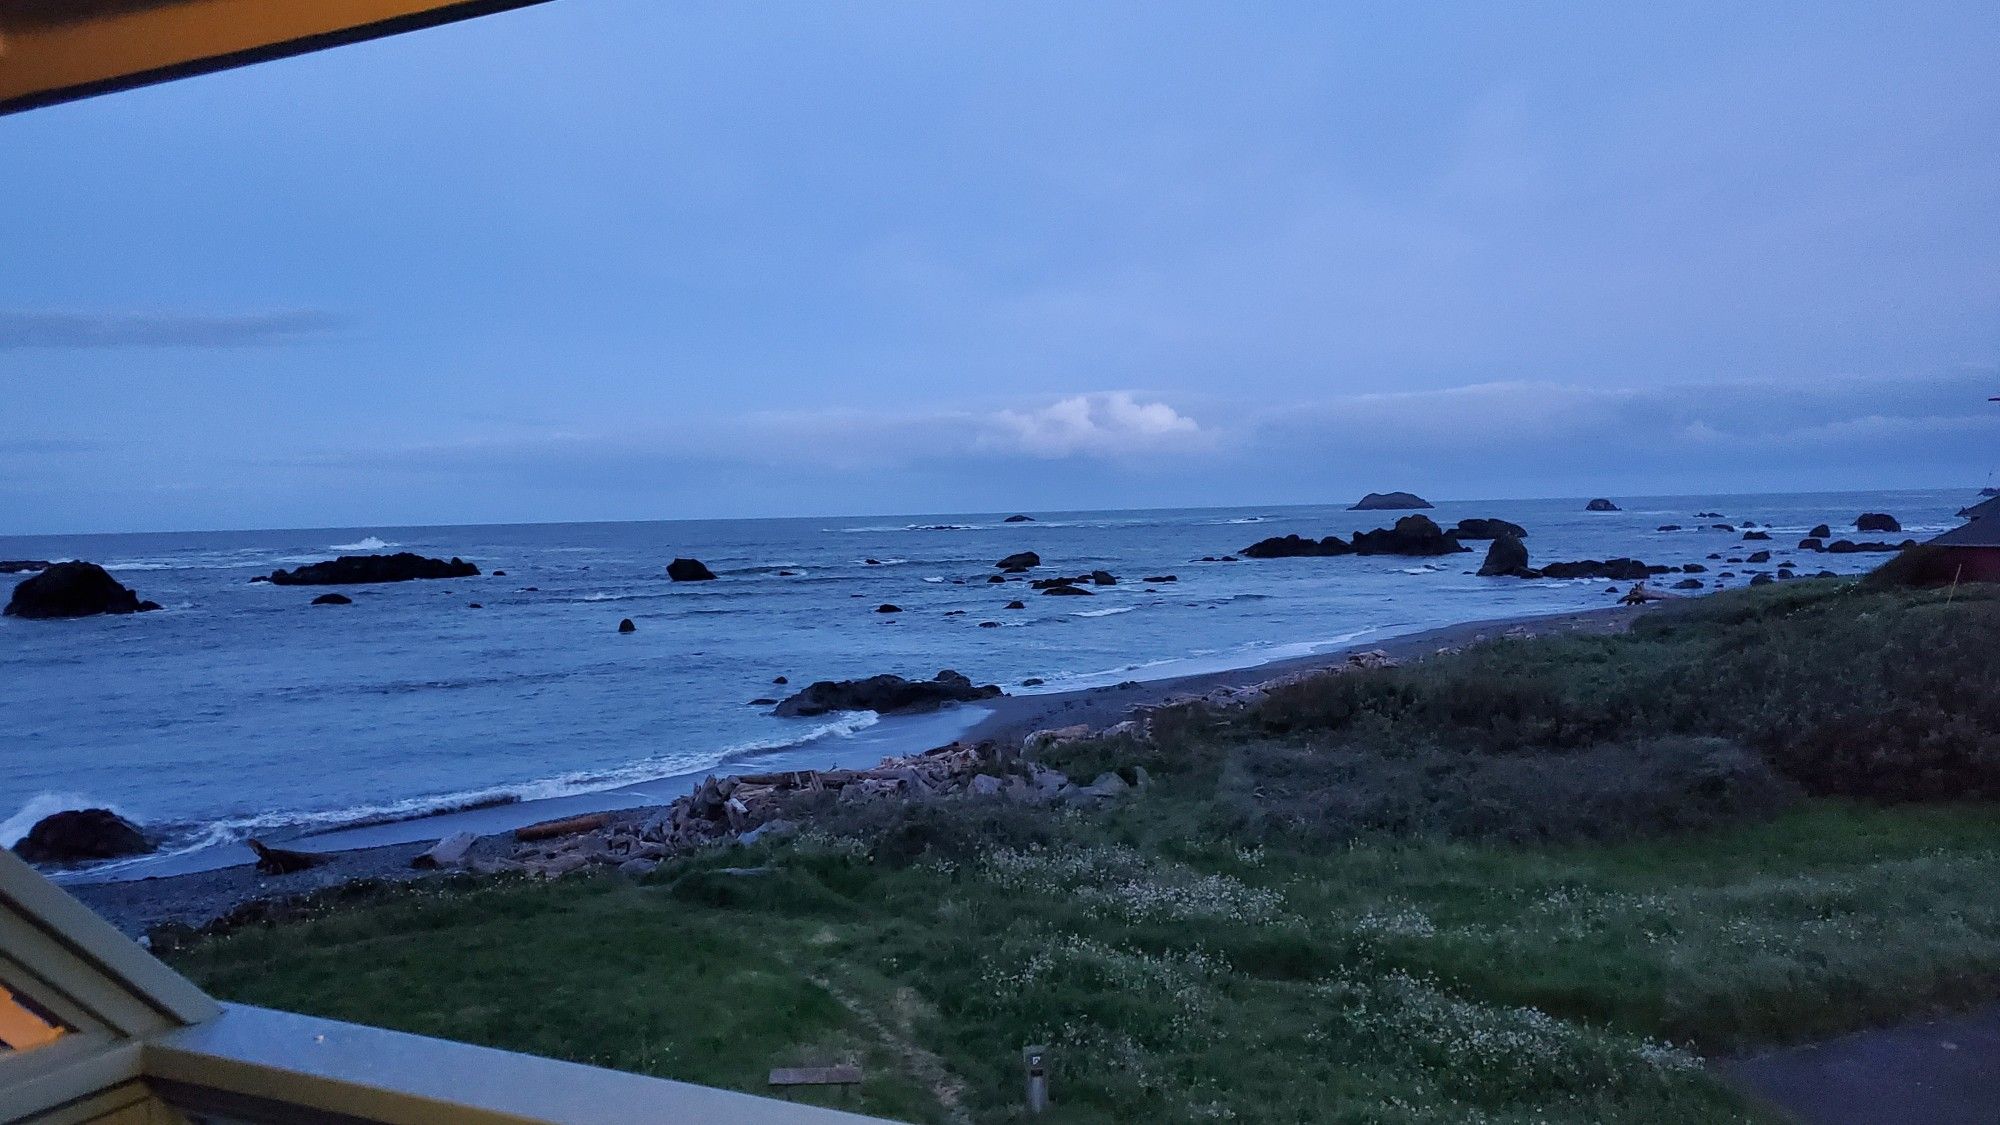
x=1847, y=691
x=1328, y=794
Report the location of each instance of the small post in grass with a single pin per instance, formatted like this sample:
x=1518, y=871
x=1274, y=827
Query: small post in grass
x=1036, y=1060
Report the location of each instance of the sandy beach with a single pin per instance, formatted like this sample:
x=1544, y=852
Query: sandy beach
x=199, y=887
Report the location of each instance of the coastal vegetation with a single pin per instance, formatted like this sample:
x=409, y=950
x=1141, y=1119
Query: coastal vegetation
x=1535, y=880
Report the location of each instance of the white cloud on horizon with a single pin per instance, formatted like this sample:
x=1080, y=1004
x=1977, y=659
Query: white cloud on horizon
x=1112, y=424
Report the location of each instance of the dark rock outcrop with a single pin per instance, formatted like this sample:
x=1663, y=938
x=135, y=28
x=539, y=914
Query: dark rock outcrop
x=689, y=570
x=1064, y=589
x=1019, y=519
x=1617, y=570
x=81, y=834
x=1016, y=605
x=333, y=599
x=1876, y=521
x=1849, y=547
x=1688, y=584
x=885, y=694
x=1752, y=535
x=23, y=566
x=1390, y=502
x=1507, y=556
x=1759, y=557
x=347, y=570
x=625, y=626
x=1820, y=531
x=1020, y=560
x=73, y=589
x=887, y=607
x=1296, y=547
x=1412, y=535
x=1487, y=529
x=1668, y=527
x=1103, y=578
x=1162, y=578
x=1812, y=544
x=1600, y=505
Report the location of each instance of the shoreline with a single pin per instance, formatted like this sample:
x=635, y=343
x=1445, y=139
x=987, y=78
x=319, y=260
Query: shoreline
x=196, y=888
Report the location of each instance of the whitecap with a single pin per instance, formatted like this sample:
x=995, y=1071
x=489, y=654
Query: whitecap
x=1104, y=612
x=371, y=543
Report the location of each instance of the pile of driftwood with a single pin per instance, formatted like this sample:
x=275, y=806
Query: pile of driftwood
x=748, y=807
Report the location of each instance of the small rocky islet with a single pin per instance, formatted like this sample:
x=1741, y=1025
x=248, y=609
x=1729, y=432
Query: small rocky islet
x=73, y=589
x=350, y=570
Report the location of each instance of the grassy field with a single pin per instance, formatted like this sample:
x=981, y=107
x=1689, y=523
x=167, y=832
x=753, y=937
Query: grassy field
x=1359, y=902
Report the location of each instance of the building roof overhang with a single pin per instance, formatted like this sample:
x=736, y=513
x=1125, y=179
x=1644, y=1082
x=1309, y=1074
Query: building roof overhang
x=59, y=50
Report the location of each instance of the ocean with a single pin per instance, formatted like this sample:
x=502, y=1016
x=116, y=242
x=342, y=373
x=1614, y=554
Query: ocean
x=240, y=709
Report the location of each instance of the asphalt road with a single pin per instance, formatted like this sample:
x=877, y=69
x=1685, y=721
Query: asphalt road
x=1946, y=1072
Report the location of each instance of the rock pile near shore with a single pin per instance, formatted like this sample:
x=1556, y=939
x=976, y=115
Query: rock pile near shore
x=885, y=694
x=79, y=835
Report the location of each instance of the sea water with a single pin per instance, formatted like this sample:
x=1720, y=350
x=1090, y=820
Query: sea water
x=241, y=709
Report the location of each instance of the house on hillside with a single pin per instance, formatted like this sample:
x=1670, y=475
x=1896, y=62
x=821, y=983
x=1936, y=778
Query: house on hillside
x=1972, y=553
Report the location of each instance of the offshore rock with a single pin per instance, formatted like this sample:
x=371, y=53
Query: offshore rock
x=1412, y=535
x=689, y=570
x=402, y=566
x=1389, y=502
x=73, y=589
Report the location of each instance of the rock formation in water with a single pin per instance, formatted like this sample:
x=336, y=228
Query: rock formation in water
x=81, y=834
x=689, y=570
x=885, y=694
x=348, y=570
x=73, y=589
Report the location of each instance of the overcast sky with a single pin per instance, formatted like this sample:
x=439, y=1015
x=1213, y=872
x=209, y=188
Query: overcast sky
x=626, y=259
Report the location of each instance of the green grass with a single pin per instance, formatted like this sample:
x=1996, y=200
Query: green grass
x=1181, y=978
x=1353, y=905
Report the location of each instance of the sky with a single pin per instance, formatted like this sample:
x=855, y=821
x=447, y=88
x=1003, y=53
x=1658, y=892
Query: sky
x=626, y=259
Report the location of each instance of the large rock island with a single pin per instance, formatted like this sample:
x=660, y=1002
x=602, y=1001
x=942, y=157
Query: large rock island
x=73, y=589
x=354, y=569
x=886, y=695
x=1390, y=502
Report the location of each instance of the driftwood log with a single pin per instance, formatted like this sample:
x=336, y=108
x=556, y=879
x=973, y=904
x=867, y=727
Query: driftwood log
x=550, y=829
x=278, y=861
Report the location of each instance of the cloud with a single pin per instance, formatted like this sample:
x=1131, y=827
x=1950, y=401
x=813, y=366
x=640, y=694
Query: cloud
x=1109, y=424
x=161, y=330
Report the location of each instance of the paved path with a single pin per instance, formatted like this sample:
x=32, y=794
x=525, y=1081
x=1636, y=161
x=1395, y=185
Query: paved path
x=1946, y=1072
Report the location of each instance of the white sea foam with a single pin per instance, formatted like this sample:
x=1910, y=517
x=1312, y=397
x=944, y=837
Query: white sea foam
x=42, y=805
x=231, y=830
x=1104, y=612
x=371, y=543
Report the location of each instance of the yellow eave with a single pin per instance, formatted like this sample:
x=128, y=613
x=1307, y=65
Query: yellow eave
x=58, y=50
